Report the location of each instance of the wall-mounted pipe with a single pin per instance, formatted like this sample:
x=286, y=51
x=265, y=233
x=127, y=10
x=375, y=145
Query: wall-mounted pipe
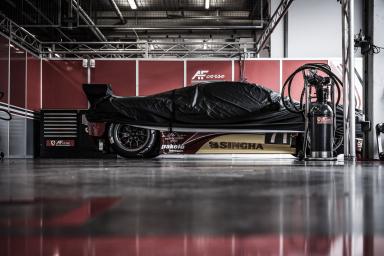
x=120, y=43
x=84, y=16
x=143, y=51
x=248, y=27
x=117, y=11
x=285, y=36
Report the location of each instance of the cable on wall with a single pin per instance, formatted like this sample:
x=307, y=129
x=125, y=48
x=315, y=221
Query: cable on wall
x=365, y=44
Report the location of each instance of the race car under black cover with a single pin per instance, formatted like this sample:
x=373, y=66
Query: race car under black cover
x=210, y=109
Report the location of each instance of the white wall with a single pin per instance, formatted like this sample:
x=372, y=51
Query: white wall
x=314, y=29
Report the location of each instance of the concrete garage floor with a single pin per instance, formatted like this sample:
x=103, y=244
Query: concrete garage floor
x=190, y=207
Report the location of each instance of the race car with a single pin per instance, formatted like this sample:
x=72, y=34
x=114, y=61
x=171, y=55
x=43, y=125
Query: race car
x=215, y=117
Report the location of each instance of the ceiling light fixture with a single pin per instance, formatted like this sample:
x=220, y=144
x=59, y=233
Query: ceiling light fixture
x=133, y=5
x=206, y=4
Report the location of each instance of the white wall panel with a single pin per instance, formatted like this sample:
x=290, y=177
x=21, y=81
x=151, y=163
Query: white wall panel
x=314, y=29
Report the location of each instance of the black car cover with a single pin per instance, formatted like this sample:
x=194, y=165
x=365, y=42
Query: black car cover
x=217, y=104
x=224, y=102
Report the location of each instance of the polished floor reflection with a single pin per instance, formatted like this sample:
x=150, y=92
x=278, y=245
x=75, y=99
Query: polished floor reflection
x=190, y=207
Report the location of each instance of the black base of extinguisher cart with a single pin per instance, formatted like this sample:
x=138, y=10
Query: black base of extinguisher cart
x=380, y=140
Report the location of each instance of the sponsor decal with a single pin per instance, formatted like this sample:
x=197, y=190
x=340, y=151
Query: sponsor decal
x=172, y=147
x=323, y=120
x=204, y=74
x=216, y=143
x=242, y=144
x=172, y=138
x=235, y=145
x=60, y=143
x=172, y=142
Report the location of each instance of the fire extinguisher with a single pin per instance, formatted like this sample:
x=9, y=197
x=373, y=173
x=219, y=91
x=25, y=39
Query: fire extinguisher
x=319, y=97
x=320, y=118
x=321, y=125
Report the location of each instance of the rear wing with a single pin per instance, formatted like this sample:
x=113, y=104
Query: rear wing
x=96, y=92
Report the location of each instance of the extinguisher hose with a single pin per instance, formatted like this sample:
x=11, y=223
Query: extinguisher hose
x=286, y=93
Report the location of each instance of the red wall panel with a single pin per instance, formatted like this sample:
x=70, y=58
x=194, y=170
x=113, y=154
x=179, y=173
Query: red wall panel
x=4, y=56
x=199, y=71
x=62, y=80
x=33, y=83
x=62, y=85
x=289, y=66
x=17, y=76
x=262, y=72
x=160, y=76
x=121, y=74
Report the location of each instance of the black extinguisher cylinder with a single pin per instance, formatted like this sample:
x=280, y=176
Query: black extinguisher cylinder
x=321, y=130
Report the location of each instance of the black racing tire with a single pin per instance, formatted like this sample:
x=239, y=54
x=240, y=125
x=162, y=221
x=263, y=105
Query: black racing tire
x=133, y=142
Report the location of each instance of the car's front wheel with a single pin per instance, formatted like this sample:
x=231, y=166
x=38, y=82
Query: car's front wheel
x=129, y=141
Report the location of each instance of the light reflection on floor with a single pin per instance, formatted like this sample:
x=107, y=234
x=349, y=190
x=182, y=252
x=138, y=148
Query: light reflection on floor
x=190, y=207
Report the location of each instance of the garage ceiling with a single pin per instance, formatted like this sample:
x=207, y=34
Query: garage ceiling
x=212, y=22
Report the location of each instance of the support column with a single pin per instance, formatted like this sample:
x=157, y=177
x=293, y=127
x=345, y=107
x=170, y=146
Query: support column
x=348, y=60
x=374, y=64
